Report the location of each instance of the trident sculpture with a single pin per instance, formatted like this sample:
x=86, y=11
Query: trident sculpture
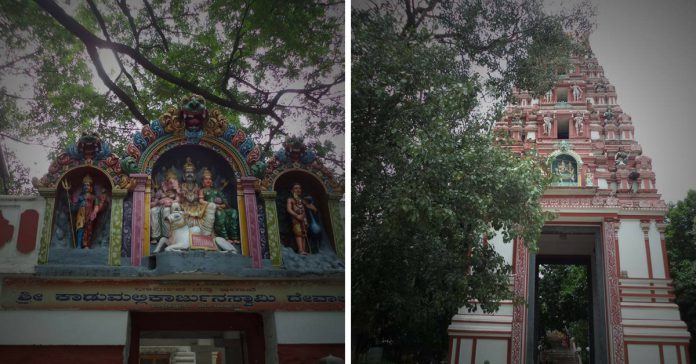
x=66, y=186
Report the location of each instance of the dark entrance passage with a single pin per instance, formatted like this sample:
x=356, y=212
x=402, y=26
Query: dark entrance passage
x=566, y=297
x=210, y=337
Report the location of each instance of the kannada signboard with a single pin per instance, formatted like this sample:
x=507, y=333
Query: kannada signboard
x=150, y=295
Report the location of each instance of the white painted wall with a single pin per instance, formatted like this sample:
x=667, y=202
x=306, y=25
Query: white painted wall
x=63, y=327
x=504, y=249
x=632, y=249
x=495, y=351
x=11, y=260
x=643, y=354
x=667, y=312
x=298, y=327
x=466, y=346
x=658, y=265
x=669, y=352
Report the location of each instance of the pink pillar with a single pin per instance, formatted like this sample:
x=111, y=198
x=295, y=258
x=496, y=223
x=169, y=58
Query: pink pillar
x=518, y=344
x=252, y=222
x=137, y=225
x=613, y=294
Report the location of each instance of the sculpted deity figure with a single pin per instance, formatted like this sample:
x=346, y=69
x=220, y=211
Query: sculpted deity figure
x=548, y=96
x=198, y=213
x=577, y=92
x=300, y=221
x=226, y=218
x=621, y=158
x=166, y=200
x=578, y=124
x=547, y=124
x=88, y=204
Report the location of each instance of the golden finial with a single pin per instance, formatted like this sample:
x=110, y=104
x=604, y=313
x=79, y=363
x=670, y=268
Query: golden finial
x=188, y=166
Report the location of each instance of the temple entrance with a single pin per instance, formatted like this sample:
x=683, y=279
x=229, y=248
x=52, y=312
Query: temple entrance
x=196, y=337
x=200, y=347
x=566, y=297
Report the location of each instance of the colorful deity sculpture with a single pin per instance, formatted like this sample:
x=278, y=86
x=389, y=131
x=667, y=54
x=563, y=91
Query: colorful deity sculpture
x=303, y=223
x=226, y=218
x=87, y=205
x=166, y=200
x=198, y=213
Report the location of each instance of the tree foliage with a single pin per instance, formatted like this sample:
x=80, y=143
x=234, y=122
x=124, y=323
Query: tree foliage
x=564, y=302
x=428, y=183
x=269, y=65
x=681, y=249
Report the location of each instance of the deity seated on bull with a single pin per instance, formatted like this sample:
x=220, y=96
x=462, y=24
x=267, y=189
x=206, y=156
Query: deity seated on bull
x=184, y=237
x=204, y=211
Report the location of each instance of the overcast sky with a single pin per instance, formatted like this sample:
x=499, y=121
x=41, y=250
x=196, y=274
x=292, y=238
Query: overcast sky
x=648, y=51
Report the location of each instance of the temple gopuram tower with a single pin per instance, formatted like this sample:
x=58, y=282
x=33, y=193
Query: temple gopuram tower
x=608, y=217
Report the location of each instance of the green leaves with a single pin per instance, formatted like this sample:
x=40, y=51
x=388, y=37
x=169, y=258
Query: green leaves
x=681, y=249
x=268, y=64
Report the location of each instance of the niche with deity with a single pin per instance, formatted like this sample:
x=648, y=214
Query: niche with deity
x=303, y=214
x=82, y=214
x=200, y=184
x=565, y=170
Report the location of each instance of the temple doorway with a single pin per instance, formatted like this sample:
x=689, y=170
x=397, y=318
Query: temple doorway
x=196, y=337
x=566, y=297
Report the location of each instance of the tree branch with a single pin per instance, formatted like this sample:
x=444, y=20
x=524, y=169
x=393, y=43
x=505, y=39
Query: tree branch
x=11, y=63
x=122, y=95
x=131, y=22
x=306, y=91
x=92, y=43
x=102, y=25
x=235, y=48
x=90, y=39
x=275, y=129
x=153, y=18
x=25, y=142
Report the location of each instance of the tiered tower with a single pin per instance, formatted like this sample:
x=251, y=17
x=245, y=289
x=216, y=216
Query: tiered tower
x=607, y=210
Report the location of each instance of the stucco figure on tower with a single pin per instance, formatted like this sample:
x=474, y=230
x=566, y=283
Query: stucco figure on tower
x=548, y=119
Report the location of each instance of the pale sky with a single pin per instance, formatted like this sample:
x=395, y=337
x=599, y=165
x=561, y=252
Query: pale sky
x=648, y=51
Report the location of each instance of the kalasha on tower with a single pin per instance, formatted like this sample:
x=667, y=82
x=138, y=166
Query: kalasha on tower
x=608, y=217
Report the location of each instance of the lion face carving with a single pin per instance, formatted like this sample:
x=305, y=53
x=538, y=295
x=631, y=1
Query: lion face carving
x=193, y=112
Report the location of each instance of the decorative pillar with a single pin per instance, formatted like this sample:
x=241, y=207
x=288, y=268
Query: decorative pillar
x=146, y=222
x=272, y=226
x=661, y=226
x=138, y=222
x=595, y=129
x=252, y=223
x=337, y=223
x=622, y=173
x=645, y=226
x=520, y=274
x=243, y=238
x=49, y=194
x=116, y=229
x=613, y=300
